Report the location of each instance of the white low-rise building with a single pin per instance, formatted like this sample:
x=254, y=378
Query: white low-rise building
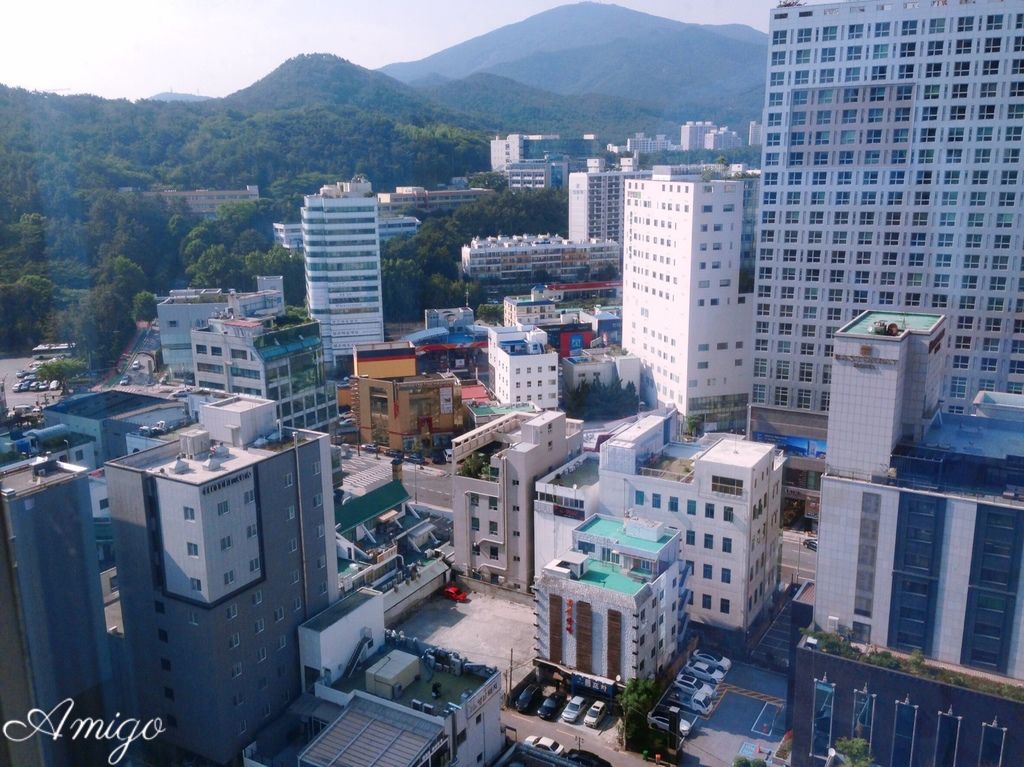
x=615, y=605
x=533, y=309
x=563, y=498
x=537, y=258
x=522, y=369
x=722, y=494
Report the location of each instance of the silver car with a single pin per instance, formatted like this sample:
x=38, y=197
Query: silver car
x=691, y=685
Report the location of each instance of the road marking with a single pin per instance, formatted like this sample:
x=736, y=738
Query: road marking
x=725, y=687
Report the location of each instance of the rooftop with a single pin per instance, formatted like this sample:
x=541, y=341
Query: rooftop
x=610, y=576
x=422, y=689
x=362, y=508
x=496, y=410
x=347, y=604
x=371, y=732
x=615, y=531
x=737, y=452
x=583, y=474
x=109, y=404
x=912, y=321
x=37, y=475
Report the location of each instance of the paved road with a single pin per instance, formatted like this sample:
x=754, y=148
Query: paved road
x=604, y=742
x=799, y=563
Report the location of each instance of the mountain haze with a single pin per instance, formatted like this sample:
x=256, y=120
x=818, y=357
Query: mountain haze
x=675, y=70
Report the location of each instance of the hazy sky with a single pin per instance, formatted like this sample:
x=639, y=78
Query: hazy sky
x=137, y=48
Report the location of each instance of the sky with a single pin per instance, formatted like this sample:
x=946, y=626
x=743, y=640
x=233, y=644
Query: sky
x=138, y=48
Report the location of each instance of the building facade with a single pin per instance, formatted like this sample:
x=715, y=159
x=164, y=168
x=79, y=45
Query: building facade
x=596, y=203
x=613, y=606
x=497, y=466
x=184, y=310
x=890, y=180
x=54, y=643
x=522, y=369
x=340, y=238
x=529, y=310
x=205, y=202
x=686, y=304
x=415, y=198
x=224, y=548
x=418, y=413
x=528, y=259
x=723, y=495
x=261, y=358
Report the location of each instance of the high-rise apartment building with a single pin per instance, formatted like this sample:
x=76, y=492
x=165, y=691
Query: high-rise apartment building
x=341, y=242
x=225, y=546
x=596, y=203
x=892, y=179
x=686, y=302
x=691, y=134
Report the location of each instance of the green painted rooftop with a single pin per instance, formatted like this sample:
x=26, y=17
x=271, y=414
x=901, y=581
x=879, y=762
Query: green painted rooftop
x=615, y=530
x=904, y=320
x=363, y=508
x=611, y=577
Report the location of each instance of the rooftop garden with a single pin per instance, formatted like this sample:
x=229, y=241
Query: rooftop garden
x=914, y=664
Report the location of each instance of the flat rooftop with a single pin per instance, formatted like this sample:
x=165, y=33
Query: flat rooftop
x=24, y=480
x=615, y=530
x=584, y=474
x=109, y=404
x=738, y=452
x=369, y=732
x=912, y=321
x=347, y=604
x=422, y=689
x=988, y=437
x=611, y=577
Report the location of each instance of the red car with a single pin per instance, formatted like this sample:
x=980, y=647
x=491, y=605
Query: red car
x=454, y=593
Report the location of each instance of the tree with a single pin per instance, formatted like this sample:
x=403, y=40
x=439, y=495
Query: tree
x=493, y=313
x=144, y=306
x=856, y=752
x=63, y=370
x=637, y=698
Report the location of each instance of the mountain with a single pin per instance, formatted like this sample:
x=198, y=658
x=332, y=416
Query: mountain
x=507, y=106
x=172, y=96
x=325, y=80
x=679, y=71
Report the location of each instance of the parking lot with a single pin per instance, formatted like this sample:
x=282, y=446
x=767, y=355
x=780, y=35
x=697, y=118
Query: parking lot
x=747, y=719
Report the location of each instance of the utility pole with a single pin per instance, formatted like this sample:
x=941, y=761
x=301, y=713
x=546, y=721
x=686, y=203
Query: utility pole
x=511, y=652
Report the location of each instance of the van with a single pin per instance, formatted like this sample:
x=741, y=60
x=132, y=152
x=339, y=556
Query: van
x=447, y=455
x=22, y=410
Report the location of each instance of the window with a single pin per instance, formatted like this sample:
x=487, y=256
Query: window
x=229, y=577
x=691, y=507
x=727, y=514
x=691, y=539
x=192, y=549
x=190, y=514
x=708, y=572
x=195, y=584
x=638, y=498
x=223, y=507
x=709, y=511
x=709, y=541
x=705, y=601
x=727, y=545
x=723, y=606
x=728, y=485
x=726, y=575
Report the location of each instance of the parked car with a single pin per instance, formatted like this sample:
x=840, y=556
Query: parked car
x=21, y=373
x=701, y=703
x=586, y=758
x=438, y=457
x=551, y=706
x=704, y=671
x=454, y=593
x=126, y=381
x=574, y=709
x=548, y=744
x=712, y=659
x=595, y=715
x=416, y=458
x=811, y=543
x=369, y=447
x=688, y=684
x=527, y=699
x=54, y=385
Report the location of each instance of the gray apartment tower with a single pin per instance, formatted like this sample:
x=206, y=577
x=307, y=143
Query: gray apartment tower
x=53, y=644
x=892, y=180
x=225, y=545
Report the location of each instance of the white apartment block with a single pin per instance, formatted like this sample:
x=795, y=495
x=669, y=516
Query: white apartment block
x=397, y=226
x=530, y=310
x=722, y=138
x=691, y=134
x=596, y=203
x=644, y=144
x=723, y=495
x=522, y=369
x=615, y=604
x=754, y=133
x=340, y=238
x=288, y=236
x=565, y=497
x=496, y=467
x=526, y=258
x=891, y=179
x=685, y=311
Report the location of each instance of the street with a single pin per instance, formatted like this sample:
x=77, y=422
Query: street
x=603, y=742
x=799, y=563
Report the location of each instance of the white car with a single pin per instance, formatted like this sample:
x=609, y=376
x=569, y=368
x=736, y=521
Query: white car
x=691, y=685
x=704, y=671
x=701, y=703
x=545, y=743
x=596, y=714
x=573, y=709
x=712, y=659
x=54, y=385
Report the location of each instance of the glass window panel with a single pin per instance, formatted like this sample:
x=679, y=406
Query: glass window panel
x=821, y=725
